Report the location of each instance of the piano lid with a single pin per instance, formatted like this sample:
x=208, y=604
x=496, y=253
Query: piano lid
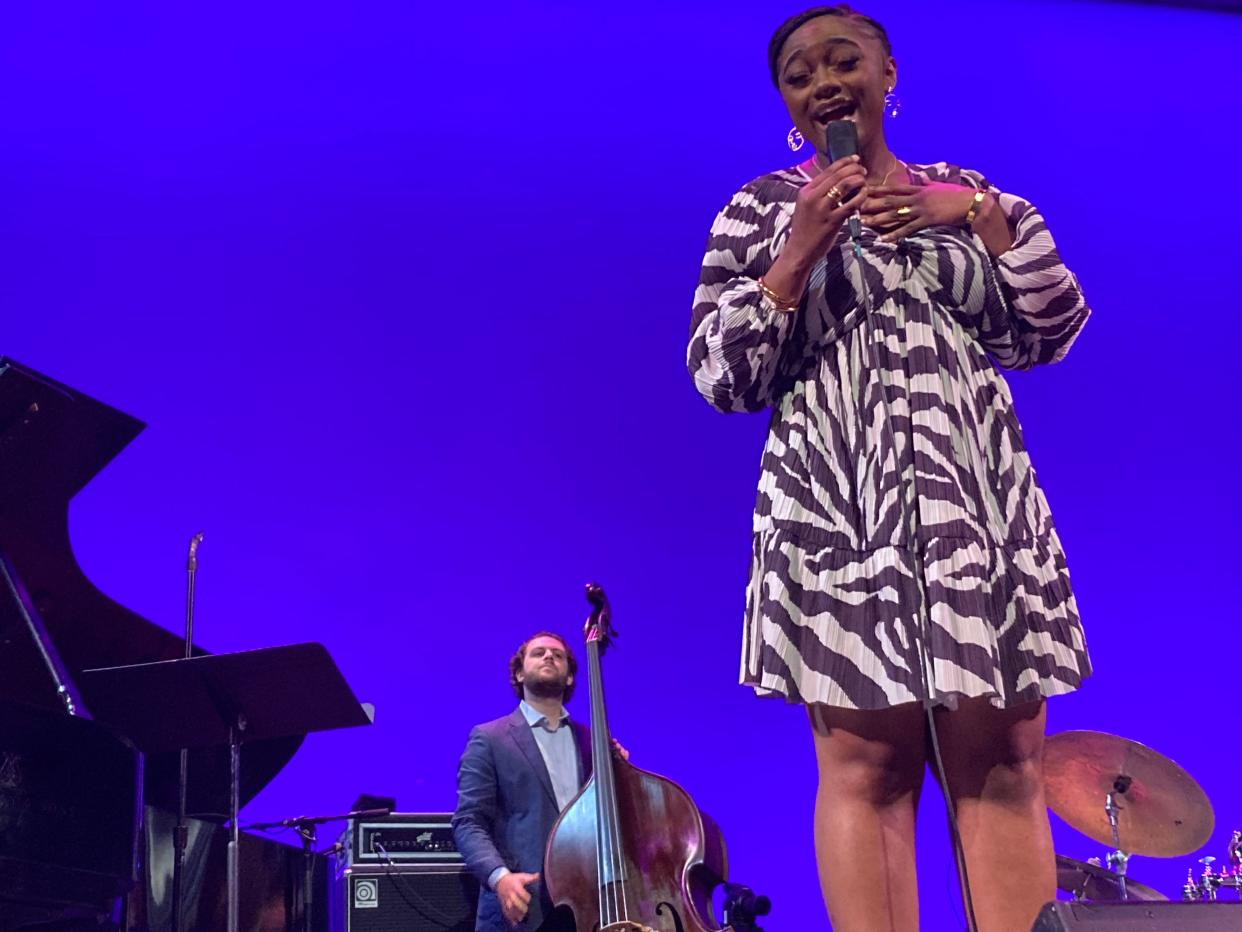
x=53, y=441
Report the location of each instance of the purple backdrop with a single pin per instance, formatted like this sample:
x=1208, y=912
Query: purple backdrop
x=403, y=298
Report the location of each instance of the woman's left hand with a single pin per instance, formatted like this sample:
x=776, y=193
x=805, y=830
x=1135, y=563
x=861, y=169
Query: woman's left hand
x=901, y=209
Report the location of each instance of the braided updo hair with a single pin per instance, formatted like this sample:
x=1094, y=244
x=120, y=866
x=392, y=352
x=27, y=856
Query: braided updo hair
x=787, y=28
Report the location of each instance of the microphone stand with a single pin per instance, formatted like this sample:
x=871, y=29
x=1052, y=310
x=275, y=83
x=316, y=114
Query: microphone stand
x=839, y=148
x=181, y=832
x=307, y=829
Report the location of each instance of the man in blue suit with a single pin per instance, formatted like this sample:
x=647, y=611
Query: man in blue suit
x=516, y=776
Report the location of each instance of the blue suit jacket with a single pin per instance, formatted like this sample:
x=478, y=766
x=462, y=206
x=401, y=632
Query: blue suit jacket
x=506, y=809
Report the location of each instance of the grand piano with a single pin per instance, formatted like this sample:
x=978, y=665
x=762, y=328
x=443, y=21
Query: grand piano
x=85, y=820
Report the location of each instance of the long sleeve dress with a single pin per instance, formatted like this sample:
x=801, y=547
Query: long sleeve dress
x=903, y=549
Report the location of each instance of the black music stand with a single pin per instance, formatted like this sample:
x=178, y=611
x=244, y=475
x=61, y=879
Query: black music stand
x=224, y=699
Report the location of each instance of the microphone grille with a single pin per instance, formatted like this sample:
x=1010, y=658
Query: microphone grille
x=842, y=139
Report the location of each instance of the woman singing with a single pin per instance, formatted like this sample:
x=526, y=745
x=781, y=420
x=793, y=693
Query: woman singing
x=904, y=555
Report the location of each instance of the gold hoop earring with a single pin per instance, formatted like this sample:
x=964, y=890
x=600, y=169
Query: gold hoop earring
x=892, y=103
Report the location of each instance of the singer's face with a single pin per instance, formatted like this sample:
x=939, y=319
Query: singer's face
x=834, y=68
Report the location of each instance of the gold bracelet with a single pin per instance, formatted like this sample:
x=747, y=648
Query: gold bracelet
x=973, y=210
x=781, y=304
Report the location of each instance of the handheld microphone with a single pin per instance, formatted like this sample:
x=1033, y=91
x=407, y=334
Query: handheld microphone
x=842, y=139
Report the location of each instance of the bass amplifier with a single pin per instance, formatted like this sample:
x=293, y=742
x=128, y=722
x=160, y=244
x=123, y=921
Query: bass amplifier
x=403, y=837
x=1139, y=917
x=409, y=898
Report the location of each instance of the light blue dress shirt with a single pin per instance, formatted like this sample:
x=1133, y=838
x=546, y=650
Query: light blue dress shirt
x=560, y=755
x=559, y=750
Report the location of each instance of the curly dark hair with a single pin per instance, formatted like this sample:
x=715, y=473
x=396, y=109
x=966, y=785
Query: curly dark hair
x=787, y=28
x=519, y=658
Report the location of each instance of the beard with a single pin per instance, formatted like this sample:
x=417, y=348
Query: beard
x=546, y=688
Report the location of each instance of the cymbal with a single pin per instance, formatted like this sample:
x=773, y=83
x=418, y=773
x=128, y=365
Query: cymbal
x=1090, y=882
x=1163, y=811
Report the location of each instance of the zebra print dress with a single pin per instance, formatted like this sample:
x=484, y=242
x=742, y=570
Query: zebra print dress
x=902, y=546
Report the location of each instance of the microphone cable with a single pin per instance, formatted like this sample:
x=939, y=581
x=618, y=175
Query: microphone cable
x=922, y=614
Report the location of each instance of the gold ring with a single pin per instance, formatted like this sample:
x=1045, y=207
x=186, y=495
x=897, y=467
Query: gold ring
x=835, y=193
x=902, y=211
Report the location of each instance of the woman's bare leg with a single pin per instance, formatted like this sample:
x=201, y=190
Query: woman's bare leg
x=870, y=770
x=993, y=761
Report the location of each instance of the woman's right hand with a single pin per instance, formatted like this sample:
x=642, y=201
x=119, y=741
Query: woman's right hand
x=818, y=215
x=822, y=208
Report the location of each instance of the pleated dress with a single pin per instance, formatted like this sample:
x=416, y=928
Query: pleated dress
x=902, y=546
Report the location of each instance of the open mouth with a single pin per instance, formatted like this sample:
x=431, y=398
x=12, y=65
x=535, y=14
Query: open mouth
x=841, y=110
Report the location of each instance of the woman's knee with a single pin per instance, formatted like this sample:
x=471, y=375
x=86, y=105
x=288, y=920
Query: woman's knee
x=870, y=757
x=1014, y=783
x=879, y=781
x=1008, y=771
x=993, y=753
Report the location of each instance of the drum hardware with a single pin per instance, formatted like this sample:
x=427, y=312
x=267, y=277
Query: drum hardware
x=1117, y=859
x=1151, y=806
x=742, y=908
x=1089, y=881
x=1123, y=794
x=1209, y=882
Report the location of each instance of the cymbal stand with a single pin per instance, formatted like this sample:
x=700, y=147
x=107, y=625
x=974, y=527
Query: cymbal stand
x=1117, y=859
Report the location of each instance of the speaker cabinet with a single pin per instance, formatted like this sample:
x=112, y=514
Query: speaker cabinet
x=1139, y=917
x=409, y=898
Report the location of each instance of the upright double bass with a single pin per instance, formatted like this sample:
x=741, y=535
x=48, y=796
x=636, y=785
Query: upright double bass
x=632, y=852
